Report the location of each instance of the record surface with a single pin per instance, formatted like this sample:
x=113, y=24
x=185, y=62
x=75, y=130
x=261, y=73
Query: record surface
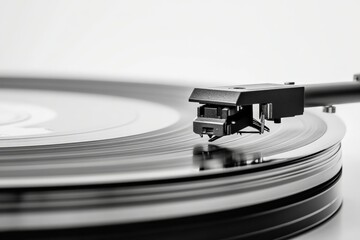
x=106, y=158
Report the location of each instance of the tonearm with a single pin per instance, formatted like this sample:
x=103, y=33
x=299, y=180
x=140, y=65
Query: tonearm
x=229, y=110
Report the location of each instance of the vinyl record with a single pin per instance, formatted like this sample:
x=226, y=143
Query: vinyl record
x=100, y=159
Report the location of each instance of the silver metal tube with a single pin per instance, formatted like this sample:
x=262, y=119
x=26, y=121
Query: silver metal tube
x=331, y=94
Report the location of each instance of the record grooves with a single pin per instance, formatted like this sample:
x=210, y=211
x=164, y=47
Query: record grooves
x=253, y=220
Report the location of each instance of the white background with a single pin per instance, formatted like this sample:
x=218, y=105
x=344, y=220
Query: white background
x=197, y=43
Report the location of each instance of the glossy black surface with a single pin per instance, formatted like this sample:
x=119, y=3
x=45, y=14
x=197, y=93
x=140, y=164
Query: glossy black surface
x=281, y=218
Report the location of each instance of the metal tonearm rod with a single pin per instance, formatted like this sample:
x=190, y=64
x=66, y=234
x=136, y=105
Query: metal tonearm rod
x=229, y=110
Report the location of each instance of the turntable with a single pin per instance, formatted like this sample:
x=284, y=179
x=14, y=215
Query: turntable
x=109, y=160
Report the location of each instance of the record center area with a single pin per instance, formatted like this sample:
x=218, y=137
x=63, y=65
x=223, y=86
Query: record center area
x=31, y=117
